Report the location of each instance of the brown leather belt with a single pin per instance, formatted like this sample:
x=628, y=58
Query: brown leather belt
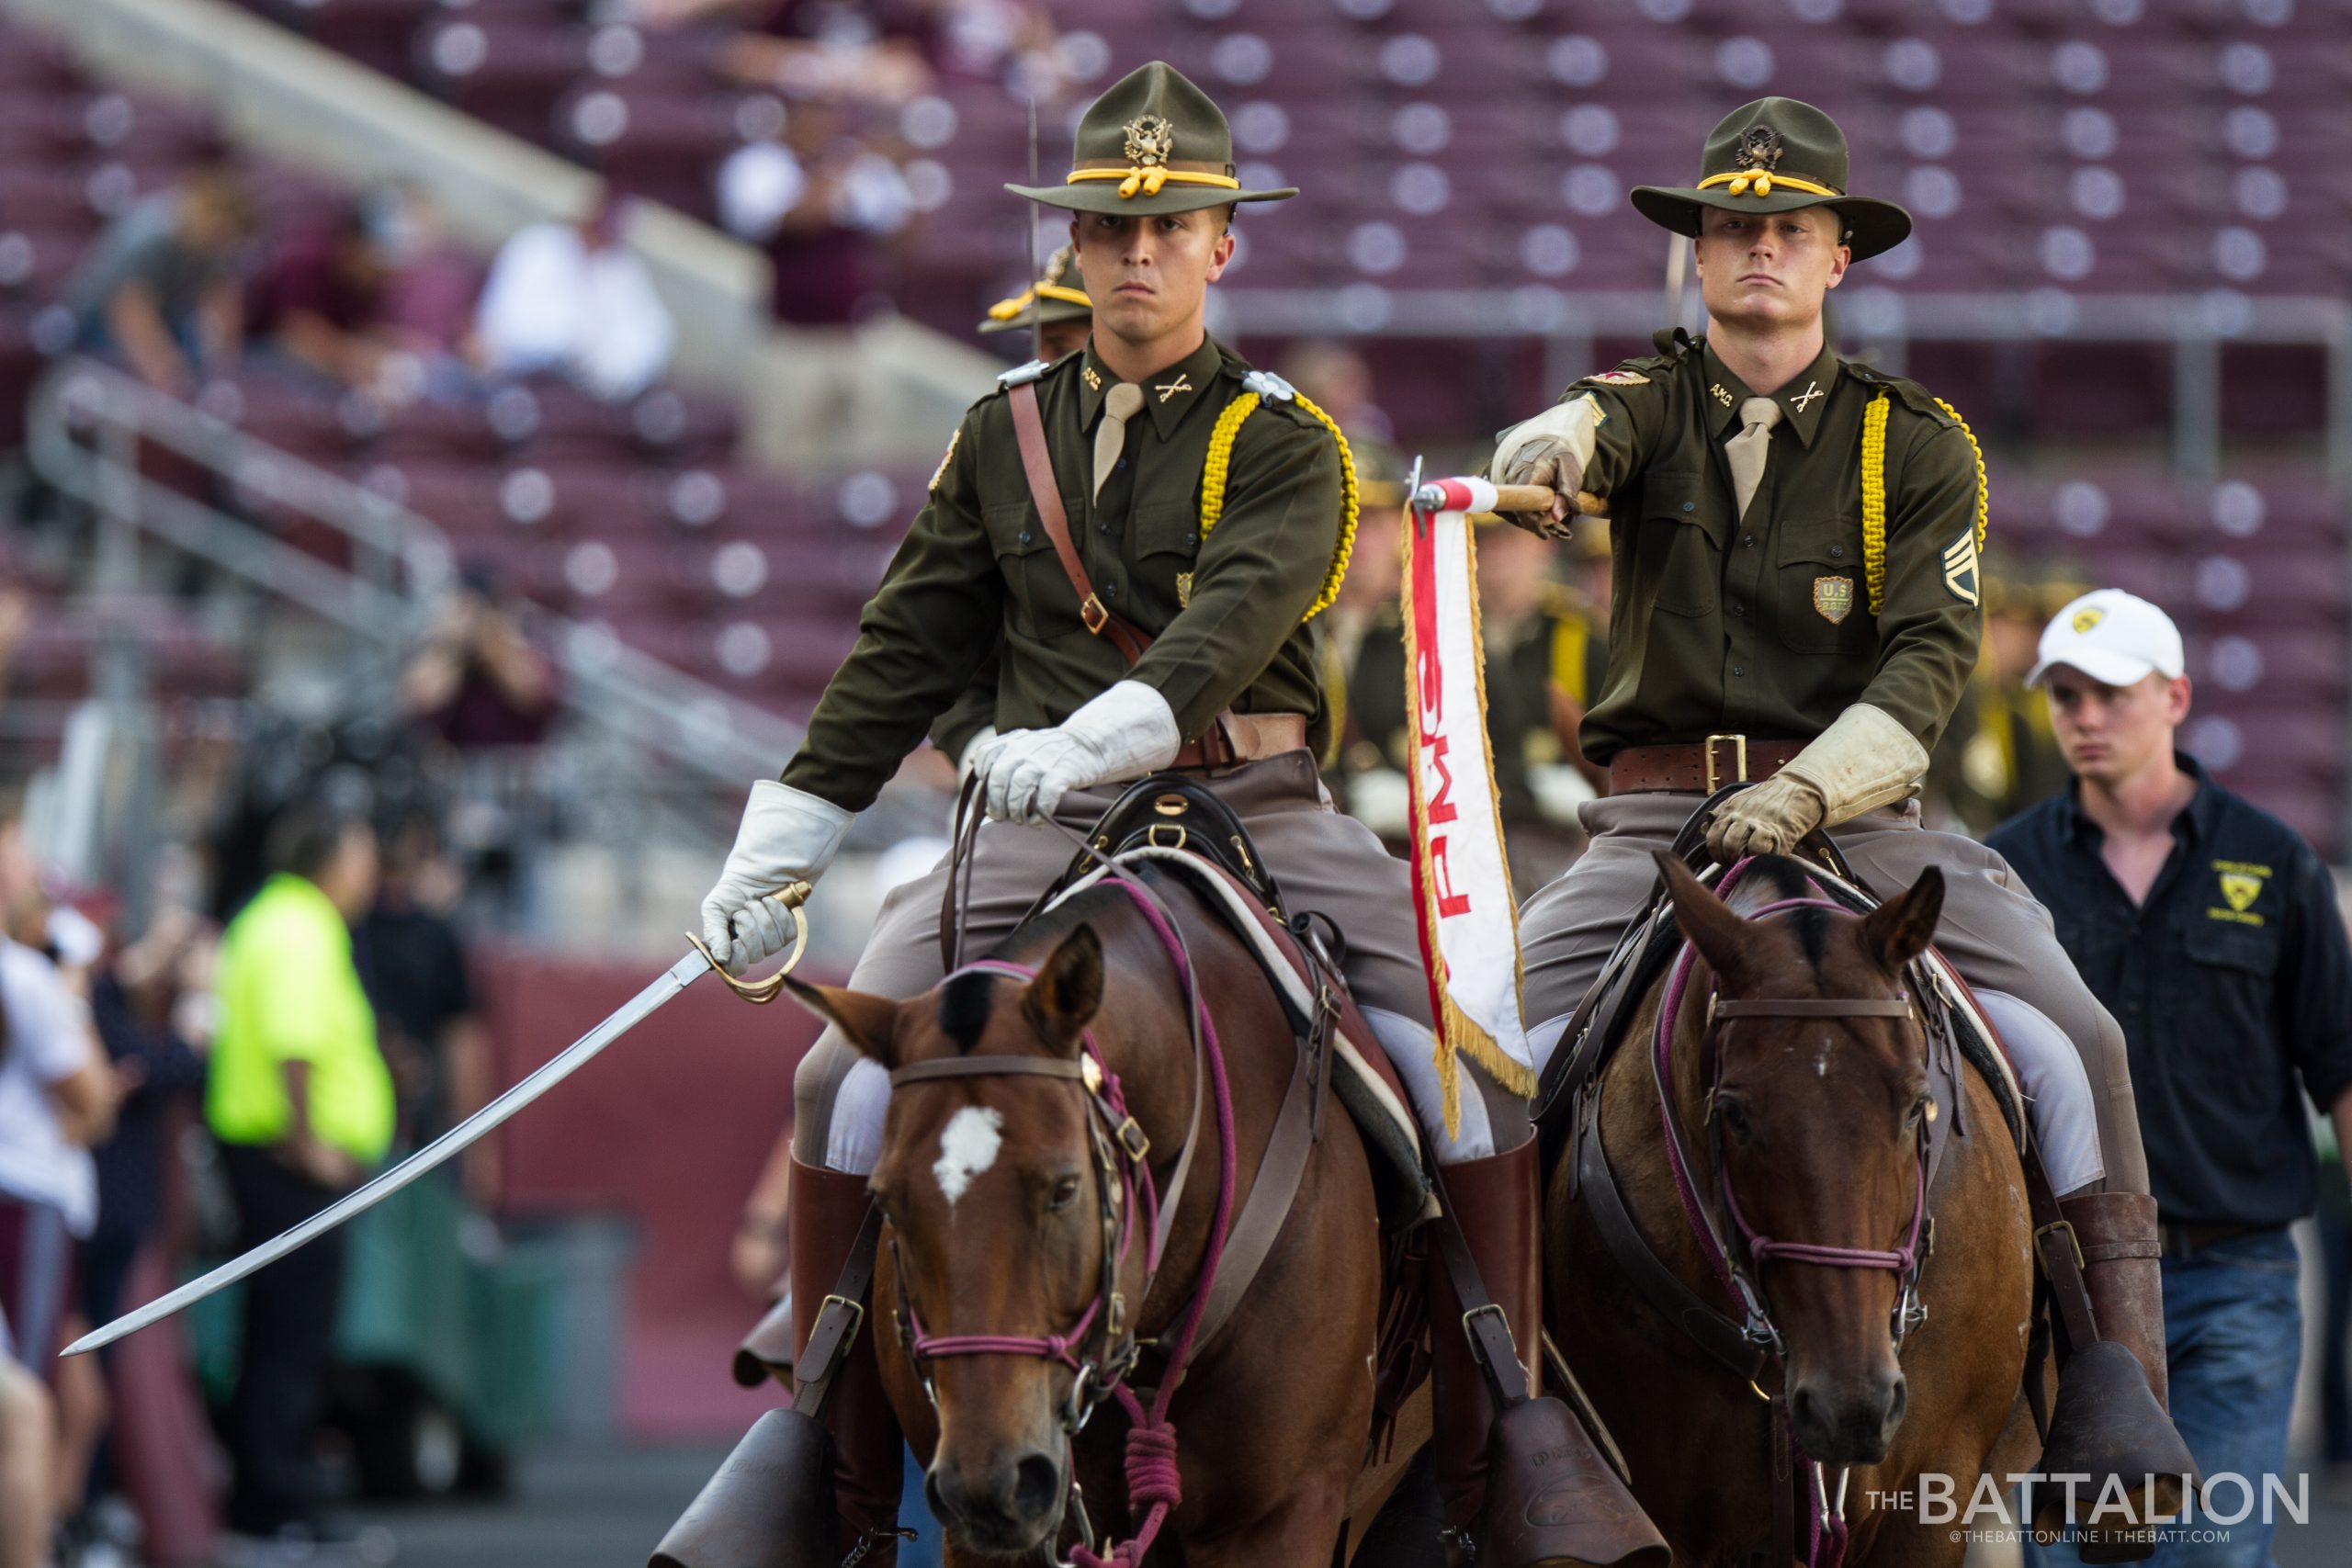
x=1699, y=769
x=2182, y=1241
x=1244, y=738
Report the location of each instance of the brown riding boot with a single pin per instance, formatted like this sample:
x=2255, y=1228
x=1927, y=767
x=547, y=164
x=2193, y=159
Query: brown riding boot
x=1523, y=1487
x=827, y=1207
x=2109, y=1416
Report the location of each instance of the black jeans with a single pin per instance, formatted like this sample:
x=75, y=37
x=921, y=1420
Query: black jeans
x=288, y=1344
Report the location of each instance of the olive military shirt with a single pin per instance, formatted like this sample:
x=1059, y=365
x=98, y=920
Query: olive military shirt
x=1763, y=627
x=977, y=572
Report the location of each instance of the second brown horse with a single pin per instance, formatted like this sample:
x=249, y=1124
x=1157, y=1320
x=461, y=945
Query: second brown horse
x=1811, y=1127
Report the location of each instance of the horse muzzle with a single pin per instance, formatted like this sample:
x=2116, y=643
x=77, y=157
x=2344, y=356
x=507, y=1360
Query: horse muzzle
x=1848, y=1421
x=1003, y=1504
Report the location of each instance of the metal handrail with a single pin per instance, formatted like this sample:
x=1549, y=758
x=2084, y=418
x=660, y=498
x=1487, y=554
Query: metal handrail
x=84, y=426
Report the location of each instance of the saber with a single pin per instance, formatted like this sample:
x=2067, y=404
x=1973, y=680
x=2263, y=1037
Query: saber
x=361, y=1198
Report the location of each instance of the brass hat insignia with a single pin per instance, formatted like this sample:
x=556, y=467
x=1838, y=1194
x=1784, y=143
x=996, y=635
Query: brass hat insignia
x=1760, y=148
x=1150, y=140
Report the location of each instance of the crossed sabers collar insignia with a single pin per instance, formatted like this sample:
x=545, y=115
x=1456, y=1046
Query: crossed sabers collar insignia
x=1183, y=383
x=1811, y=390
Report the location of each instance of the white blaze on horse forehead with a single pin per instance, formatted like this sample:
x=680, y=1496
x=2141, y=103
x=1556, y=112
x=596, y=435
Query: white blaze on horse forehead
x=967, y=1147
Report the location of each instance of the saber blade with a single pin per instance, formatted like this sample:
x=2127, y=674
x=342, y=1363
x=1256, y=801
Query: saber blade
x=359, y=1199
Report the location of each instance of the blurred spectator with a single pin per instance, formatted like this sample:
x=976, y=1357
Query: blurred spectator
x=413, y=962
x=870, y=51
x=2000, y=754
x=25, y=1422
x=56, y=1098
x=1338, y=381
x=302, y=1105
x=149, y=1005
x=477, y=681
x=430, y=301
x=821, y=202
x=571, y=300
x=161, y=288
x=319, y=302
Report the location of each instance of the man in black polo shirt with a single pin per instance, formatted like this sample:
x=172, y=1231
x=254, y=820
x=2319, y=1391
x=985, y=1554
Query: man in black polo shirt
x=2212, y=932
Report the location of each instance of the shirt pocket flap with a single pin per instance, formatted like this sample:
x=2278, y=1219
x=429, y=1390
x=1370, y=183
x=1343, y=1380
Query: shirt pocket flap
x=1167, y=527
x=1014, y=530
x=2228, y=945
x=1677, y=498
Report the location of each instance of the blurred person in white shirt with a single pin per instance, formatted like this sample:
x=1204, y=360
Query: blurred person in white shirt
x=571, y=300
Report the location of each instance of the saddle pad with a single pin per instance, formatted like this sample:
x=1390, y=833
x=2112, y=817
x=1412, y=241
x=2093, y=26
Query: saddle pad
x=1366, y=1084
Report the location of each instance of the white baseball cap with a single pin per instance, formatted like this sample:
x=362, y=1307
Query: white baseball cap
x=2116, y=639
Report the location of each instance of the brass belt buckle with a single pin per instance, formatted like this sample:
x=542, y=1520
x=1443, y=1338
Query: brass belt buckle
x=1091, y=612
x=1739, y=761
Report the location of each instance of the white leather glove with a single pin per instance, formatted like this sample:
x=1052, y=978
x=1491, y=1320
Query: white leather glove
x=788, y=836
x=1127, y=732
x=1862, y=762
x=972, y=749
x=1552, y=449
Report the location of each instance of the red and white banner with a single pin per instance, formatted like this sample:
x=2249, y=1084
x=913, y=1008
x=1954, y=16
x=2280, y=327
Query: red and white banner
x=1468, y=916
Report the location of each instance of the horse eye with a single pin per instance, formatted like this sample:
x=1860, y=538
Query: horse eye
x=1064, y=1194
x=1735, y=1116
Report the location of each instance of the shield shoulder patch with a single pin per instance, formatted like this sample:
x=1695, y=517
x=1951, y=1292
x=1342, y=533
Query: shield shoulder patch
x=1833, y=598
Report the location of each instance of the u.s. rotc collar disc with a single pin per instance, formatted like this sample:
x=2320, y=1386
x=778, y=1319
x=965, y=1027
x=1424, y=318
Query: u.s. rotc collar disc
x=1154, y=143
x=1775, y=155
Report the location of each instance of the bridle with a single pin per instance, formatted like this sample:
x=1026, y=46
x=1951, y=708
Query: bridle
x=1100, y=1347
x=1744, y=1281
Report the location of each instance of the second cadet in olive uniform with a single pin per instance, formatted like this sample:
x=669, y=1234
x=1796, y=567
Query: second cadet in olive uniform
x=1796, y=601
x=1210, y=515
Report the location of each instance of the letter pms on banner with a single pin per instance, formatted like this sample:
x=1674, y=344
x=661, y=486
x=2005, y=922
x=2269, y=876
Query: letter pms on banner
x=1469, y=918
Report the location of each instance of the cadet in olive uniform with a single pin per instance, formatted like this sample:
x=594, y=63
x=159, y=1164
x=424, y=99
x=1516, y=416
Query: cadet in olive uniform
x=1210, y=515
x=1796, y=601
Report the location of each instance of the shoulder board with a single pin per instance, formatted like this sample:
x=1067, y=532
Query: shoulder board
x=1909, y=393
x=1269, y=386
x=1022, y=374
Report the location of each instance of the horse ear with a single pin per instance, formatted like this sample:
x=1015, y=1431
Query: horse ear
x=1900, y=930
x=1712, y=927
x=1061, y=1000
x=867, y=1021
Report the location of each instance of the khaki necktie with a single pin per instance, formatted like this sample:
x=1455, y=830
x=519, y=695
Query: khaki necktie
x=1749, y=449
x=1120, y=404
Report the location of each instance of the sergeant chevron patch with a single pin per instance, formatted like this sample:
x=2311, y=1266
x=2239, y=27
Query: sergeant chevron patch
x=1959, y=565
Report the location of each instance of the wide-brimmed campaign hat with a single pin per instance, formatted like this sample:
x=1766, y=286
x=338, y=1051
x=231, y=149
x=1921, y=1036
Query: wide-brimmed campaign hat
x=1775, y=155
x=1053, y=299
x=1153, y=143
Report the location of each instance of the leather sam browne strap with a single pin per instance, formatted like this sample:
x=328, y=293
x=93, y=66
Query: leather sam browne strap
x=1037, y=464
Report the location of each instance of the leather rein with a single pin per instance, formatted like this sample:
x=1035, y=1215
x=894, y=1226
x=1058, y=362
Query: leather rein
x=1102, y=1347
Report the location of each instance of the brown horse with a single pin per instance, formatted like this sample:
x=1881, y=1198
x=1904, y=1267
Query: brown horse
x=1018, y=1241
x=1808, y=1124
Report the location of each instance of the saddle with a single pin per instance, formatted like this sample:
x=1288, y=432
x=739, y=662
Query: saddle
x=1652, y=939
x=1174, y=822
